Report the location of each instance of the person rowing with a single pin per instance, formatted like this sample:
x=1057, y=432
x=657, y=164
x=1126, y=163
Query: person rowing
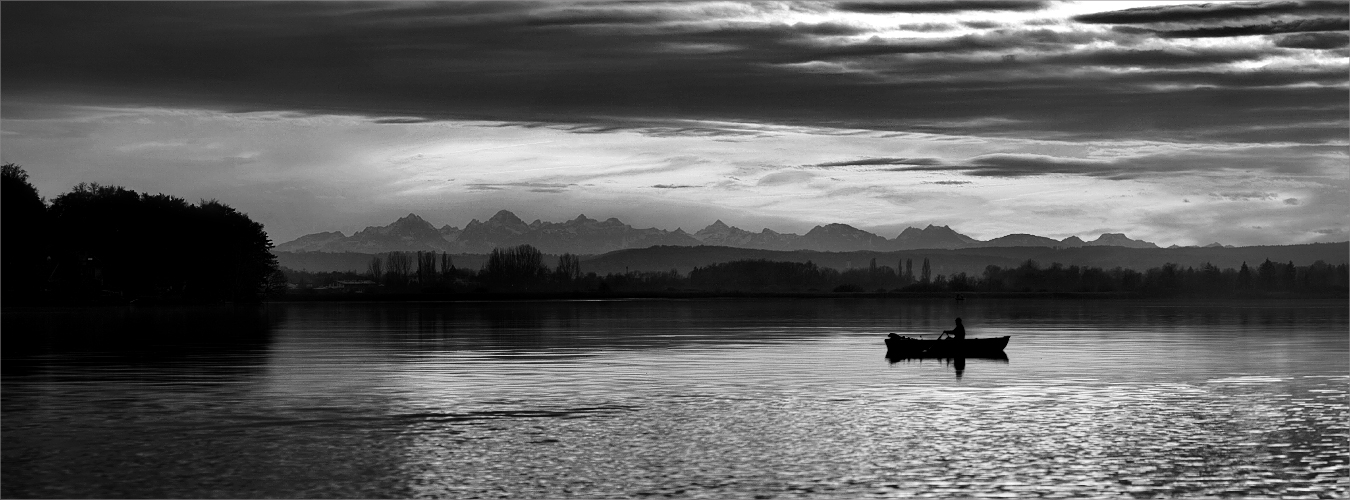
x=958, y=333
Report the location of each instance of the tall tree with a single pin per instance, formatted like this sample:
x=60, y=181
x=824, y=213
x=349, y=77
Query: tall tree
x=398, y=269
x=1266, y=275
x=426, y=268
x=447, y=268
x=375, y=269
x=927, y=275
x=569, y=268
x=521, y=264
x=23, y=229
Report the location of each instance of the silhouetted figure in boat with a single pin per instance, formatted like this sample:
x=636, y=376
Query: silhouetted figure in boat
x=958, y=334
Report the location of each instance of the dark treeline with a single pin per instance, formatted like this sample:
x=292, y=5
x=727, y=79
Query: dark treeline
x=1267, y=277
x=524, y=269
x=519, y=268
x=111, y=244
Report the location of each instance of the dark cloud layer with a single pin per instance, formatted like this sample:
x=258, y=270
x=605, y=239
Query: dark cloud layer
x=1271, y=28
x=1213, y=12
x=639, y=66
x=1289, y=162
x=937, y=7
x=880, y=161
x=1314, y=41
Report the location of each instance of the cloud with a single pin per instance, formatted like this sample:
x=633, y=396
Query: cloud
x=1283, y=161
x=879, y=161
x=948, y=183
x=926, y=27
x=1271, y=28
x=401, y=121
x=783, y=178
x=484, y=187
x=605, y=68
x=1255, y=222
x=996, y=40
x=1020, y=165
x=1155, y=58
x=938, y=6
x=350, y=169
x=1211, y=12
x=703, y=131
x=585, y=17
x=1314, y=41
x=829, y=29
x=533, y=187
x=1291, y=201
x=674, y=186
x=1246, y=196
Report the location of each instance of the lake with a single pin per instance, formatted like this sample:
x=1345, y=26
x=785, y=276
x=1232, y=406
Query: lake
x=725, y=398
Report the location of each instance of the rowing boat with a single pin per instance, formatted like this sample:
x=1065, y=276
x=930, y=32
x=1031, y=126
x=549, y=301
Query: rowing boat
x=910, y=347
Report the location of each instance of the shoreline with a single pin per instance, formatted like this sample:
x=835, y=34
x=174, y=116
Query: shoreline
x=449, y=297
x=680, y=295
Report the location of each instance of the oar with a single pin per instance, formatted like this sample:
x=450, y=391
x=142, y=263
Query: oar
x=931, y=346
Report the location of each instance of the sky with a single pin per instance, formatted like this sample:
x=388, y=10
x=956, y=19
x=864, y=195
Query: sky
x=1176, y=123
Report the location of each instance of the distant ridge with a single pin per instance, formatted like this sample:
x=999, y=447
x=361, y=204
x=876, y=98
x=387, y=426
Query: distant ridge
x=935, y=237
x=586, y=236
x=581, y=235
x=973, y=261
x=968, y=260
x=1031, y=240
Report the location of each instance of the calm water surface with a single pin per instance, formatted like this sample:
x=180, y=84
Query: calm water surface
x=701, y=398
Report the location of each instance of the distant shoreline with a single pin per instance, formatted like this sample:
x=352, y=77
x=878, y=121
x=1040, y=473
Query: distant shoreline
x=968, y=296
x=682, y=295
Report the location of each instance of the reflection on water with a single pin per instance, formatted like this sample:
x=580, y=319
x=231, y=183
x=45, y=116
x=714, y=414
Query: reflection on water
x=957, y=364
x=717, y=398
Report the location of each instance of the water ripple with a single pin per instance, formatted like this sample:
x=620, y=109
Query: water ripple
x=695, y=399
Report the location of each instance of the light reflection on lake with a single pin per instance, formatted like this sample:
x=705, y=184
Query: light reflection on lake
x=700, y=398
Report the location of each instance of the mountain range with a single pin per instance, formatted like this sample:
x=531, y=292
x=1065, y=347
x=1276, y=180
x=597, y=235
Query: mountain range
x=586, y=236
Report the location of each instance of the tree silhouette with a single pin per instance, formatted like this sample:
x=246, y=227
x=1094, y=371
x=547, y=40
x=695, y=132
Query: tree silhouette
x=447, y=268
x=426, y=268
x=399, y=269
x=569, y=268
x=522, y=264
x=375, y=269
x=110, y=241
x=23, y=220
x=1266, y=275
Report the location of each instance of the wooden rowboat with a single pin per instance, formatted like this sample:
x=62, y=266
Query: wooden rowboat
x=910, y=347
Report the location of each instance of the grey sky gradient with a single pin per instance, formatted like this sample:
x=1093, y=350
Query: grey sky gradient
x=321, y=116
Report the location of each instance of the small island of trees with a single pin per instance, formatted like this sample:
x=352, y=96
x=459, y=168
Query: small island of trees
x=109, y=244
